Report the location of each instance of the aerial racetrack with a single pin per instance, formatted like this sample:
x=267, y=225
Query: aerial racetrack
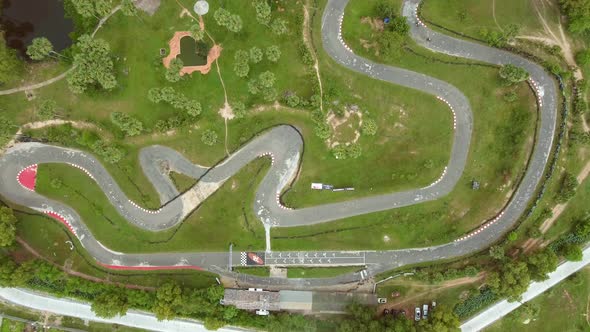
x=284, y=146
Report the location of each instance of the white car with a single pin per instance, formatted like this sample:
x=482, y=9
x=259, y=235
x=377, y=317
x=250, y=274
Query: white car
x=417, y=314
x=382, y=300
x=425, y=311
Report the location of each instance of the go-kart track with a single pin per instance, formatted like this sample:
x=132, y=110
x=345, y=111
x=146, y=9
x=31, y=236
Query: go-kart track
x=284, y=145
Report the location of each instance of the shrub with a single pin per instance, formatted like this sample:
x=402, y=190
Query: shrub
x=369, y=127
x=209, y=137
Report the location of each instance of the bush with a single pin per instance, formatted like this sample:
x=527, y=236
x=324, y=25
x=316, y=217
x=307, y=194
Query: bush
x=322, y=130
x=128, y=124
x=209, y=137
x=567, y=188
x=292, y=99
x=369, y=127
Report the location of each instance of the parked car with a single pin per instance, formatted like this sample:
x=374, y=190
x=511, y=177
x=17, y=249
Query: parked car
x=425, y=311
x=382, y=300
x=417, y=314
x=433, y=305
x=386, y=311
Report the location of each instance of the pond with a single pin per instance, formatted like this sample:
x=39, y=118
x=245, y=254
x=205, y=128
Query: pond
x=192, y=52
x=23, y=20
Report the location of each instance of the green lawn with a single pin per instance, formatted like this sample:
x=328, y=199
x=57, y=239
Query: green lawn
x=561, y=308
x=471, y=16
x=12, y=326
x=410, y=149
x=320, y=272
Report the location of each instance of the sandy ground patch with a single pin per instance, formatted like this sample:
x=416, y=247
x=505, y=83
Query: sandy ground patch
x=375, y=23
x=226, y=111
x=336, y=122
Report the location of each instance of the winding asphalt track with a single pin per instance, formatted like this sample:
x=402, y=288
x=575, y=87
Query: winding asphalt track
x=283, y=144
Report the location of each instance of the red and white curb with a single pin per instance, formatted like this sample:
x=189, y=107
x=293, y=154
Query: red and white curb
x=150, y=267
x=83, y=170
x=418, y=20
x=538, y=91
x=61, y=219
x=340, y=34
x=444, y=172
x=280, y=204
x=28, y=183
x=144, y=210
x=452, y=110
x=481, y=228
x=269, y=154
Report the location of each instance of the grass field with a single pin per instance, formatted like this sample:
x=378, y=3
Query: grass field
x=409, y=150
x=562, y=308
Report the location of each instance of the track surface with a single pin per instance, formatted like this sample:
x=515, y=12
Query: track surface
x=283, y=144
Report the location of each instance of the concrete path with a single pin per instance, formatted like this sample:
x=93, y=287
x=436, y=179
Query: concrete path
x=502, y=308
x=283, y=145
x=73, y=308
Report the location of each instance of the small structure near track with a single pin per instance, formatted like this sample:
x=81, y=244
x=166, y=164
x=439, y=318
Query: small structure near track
x=201, y=7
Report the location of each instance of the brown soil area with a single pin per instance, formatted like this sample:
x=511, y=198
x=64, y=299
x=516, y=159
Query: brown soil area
x=174, y=45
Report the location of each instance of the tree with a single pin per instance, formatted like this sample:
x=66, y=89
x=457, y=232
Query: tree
x=578, y=14
x=235, y=23
x=354, y=150
x=221, y=16
x=279, y=27
x=110, y=153
x=511, y=282
x=241, y=67
x=339, y=152
x=513, y=74
x=7, y=226
x=168, y=299
x=168, y=94
x=441, y=319
x=541, y=263
x=385, y=8
x=46, y=109
x=173, y=71
x=292, y=99
x=193, y=108
x=572, y=252
x=266, y=79
x=209, y=137
x=390, y=44
x=155, y=95
x=93, y=65
x=273, y=53
x=255, y=54
x=399, y=25
x=196, y=32
x=269, y=94
x=128, y=8
x=263, y=11
x=128, y=124
x=239, y=109
x=567, y=188
x=7, y=268
x=110, y=303
x=253, y=86
x=40, y=48
x=497, y=252
x=84, y=7
x=322, y=130
x=369, y=127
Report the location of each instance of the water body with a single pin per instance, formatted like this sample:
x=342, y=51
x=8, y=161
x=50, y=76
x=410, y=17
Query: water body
x=23, y=20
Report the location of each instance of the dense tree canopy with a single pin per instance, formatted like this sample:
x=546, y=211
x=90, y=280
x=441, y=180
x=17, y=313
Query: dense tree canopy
x=273, y=53
x=93, y=65
x=110, y=303
x=263, y=11
x=512, y=280
x=168, y=300
x=173, y=70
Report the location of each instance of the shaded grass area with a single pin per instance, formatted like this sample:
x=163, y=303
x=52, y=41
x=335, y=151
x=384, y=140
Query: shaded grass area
x=562, y=308
x=199, y=230
x=320, y=272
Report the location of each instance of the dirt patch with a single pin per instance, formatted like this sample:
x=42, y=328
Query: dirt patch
x=226, y=111
x=174, y=45
x=346, y=122
x=375, y=23
x=148, y=6
x=585, y=124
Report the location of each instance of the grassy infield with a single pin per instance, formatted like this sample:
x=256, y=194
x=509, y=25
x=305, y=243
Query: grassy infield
x=388, y=163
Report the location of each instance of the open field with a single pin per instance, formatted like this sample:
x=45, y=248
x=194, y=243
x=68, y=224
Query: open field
x=319, y=272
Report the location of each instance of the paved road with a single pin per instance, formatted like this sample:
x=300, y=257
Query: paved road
x=502, y=308
x=133, y=318
x=283, y=145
